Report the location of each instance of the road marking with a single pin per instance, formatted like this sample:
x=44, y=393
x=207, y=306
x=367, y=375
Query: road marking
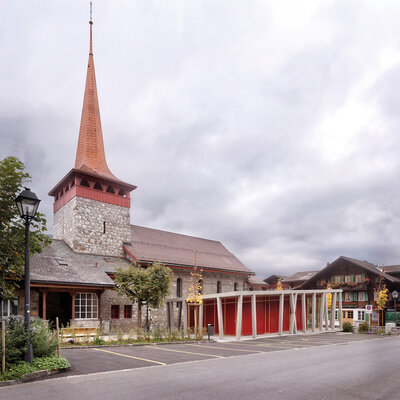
x=225, y=348
x=125, y=355
x=183, y=351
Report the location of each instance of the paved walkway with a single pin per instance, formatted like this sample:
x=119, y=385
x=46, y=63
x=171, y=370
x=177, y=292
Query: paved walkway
x=101, y=359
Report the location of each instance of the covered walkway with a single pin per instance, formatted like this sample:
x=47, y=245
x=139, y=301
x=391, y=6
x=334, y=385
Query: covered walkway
x=258, y=313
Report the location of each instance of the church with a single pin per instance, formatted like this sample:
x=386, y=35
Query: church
x=73, y=278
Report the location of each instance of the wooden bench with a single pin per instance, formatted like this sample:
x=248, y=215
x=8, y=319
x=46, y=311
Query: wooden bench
x=78, y=331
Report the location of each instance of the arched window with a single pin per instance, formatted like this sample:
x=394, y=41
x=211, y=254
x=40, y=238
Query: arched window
x=235, y=287
x=179, y=287
x=85, y=183
x=97, y=186
x=110, y=189
x=219, y=287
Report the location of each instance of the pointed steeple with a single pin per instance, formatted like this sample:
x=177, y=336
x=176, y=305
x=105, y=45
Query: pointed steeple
x=90, y=155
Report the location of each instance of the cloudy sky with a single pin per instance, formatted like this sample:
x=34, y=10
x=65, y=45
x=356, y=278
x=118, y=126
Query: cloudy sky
x=272, y=126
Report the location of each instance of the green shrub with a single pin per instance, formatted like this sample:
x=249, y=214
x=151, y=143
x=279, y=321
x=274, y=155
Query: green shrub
x=348, y=327
x=44, y=342
x=363, y=328
x=16, y=339
x=21, y=368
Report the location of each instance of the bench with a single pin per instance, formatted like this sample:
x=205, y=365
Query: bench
x=78, y=331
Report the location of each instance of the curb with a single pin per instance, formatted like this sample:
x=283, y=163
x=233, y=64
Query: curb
x=137, y=344
x=34, y=376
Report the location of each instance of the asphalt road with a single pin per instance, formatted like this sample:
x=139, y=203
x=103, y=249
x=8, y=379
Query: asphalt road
x=346, y=369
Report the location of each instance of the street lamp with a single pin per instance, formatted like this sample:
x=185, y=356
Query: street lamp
x=395, y=295
x=27, y=203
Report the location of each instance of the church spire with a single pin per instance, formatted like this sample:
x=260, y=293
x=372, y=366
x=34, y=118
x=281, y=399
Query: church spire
x=90, y=155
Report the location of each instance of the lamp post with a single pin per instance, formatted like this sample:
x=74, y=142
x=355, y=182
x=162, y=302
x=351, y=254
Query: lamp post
x=395, y=295
x=27, y=203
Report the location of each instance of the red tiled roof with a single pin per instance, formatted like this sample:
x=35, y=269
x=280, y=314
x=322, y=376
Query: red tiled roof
x=176, y=249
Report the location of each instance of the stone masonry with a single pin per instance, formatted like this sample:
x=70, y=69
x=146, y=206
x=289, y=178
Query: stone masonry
x=93, y=227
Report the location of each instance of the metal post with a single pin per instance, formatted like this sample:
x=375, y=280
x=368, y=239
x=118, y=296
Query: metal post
x=395, y=312
x=29, y=352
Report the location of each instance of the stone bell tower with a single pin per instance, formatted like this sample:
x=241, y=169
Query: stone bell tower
x=91, y=205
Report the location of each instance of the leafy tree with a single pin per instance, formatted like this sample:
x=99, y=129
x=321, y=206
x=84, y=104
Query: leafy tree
x=196, y=297
x=12, y=228
x=144, y=286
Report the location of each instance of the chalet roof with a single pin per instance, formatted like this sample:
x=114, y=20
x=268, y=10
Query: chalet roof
x=300, y=276
x=272, y=279
x=363, y=264
x=390, y=268
x=177, y=249
x=58, y=264
x=256, y=281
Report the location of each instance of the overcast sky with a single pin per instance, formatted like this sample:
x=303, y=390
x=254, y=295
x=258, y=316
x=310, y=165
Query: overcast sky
x=272, y=126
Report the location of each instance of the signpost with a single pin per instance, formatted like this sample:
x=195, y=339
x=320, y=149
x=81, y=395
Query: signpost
x=368, y=310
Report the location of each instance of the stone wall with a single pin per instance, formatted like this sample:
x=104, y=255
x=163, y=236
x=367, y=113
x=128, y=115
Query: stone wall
x=80, y=223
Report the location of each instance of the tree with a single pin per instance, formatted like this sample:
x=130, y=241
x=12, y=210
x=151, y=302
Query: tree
x=196, y=296
x=144, y=286
x=12, y=229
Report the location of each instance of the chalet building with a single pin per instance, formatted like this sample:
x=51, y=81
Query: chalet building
x=272, y=282
x=297, y=279
x=93, y=236
x=256, y=283
x=359, y=281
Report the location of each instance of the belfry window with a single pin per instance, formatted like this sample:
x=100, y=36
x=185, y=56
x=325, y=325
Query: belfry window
x=97, y=186
x=121, y=193
x=235, y=287
x=110, y=189
x=219, y=287
x=85, y=183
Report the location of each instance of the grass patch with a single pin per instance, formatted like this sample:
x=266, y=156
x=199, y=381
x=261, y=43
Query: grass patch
x=19, y=369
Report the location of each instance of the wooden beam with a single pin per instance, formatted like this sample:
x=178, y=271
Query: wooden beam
x=333, y=309
x=281, y=304
x=321, y=311
x=340, y=312
x=313, y=311
x=304, y=312
x=44, y=296
x=239, y=313
x=220, y=318
x=253, y=316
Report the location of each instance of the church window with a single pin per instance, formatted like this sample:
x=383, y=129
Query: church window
x=86, y=306
x=235, y=287
x=179, y=287
x=219, y=287
x=115, y=311
x=104, y=227
x=97, y=186
x=128, y=311
x=85, y=183
x=110, y=189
